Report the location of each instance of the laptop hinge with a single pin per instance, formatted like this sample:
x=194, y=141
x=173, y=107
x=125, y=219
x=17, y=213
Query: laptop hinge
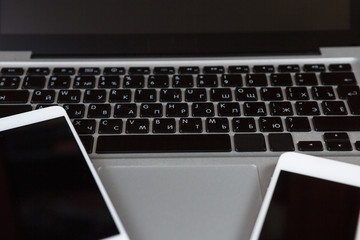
x=15, y=56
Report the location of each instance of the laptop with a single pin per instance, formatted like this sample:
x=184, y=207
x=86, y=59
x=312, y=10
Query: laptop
x=185, y=106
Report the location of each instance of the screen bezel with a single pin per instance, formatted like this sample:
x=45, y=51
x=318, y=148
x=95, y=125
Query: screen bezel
x=182, y=45
x=309, y=166
x=40, y=115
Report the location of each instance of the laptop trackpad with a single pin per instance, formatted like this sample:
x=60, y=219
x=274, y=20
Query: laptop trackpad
x=185, y=202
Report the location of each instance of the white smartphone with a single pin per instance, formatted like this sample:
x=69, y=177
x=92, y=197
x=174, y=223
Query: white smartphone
x=49, y=189
x=310, y=198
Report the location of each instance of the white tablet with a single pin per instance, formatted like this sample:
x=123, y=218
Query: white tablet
x=49, y=188
x=310, y=198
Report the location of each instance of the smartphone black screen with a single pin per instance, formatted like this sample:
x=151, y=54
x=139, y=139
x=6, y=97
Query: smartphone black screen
x=304, y=207
x=47, y=190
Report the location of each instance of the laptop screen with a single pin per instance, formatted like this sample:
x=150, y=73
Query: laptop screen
x=177, y=28
x=172, y=17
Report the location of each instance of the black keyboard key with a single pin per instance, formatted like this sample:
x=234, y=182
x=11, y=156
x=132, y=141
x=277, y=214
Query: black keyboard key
x=8, y=96
x=244, y=125
x=164, y=125
x=183, y=81
x=139, y=70
x=323, y=124
x=281, y=79
x=164, y=70
x=170, y=95
x=336, y=137
x=249, y=142
x=164, y=143
x=238, y=69
x=84, y=126
x=357, y=145
x=190, y=125
x=246, y=94
x=306, y=79
x=203, y=109
x=75, y=110
x=281, y=142
x=120, y=95
x=214, y=70
x=348, y=91
x=254, y=109
x=307, y=108
x=158, y=81
x=338, y=78
x=314, y=68
x=288, y=68
x=134, y=81
x=7, y=110
x=338, y=146
x=354, y=104
x=270, y=124
x=207, y=80
x=9, y=82
x=228, y=109
x=99, y=111
x=231, y=80
x=38, y=71
x=125, y=110
x=340, y=67
x=334, y=108
x=109, y=82
x=84, y=82
x=89, y=71
x=263, y=69
x=217, y=125
x=64, y=71
x=137, y=126
x=271, y=94
x=69, y=96
x=297, y=93
x=220, y=94
x=281, y=109
x=59, y=82
x=189, y=70
x=88, y=142
x=256, y=80
x=110, y=126
x=195, y=95
x=297, y=124
x=114, y=71
x=310, y=146
x=323, y=93
x=151, y=110
x=145, y=95
x=34, y=82
x=177, y=110
x=41, y=106
x=43, y=96
x=95, y=96
x=12, y=71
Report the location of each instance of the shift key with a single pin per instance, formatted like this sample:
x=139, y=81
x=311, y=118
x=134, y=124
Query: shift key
x=336, y=123
x=18, y=96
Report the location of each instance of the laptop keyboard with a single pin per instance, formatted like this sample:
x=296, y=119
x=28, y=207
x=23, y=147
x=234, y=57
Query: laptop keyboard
x=260, y=108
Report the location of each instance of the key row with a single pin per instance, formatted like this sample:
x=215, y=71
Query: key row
x=44, y=71
x=177, y=81
x=277, y=142
x=179, y=95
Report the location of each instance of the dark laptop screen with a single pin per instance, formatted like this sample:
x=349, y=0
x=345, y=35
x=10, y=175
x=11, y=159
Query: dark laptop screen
x=177, y=28
x=164, y=17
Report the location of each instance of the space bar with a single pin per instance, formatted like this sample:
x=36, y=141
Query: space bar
x=163, y=143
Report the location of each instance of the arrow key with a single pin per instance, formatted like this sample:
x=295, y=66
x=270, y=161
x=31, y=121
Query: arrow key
x=310, y=146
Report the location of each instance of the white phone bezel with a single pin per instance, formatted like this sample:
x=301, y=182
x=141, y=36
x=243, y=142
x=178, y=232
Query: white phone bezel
x=49, y=113
x=310, y=166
